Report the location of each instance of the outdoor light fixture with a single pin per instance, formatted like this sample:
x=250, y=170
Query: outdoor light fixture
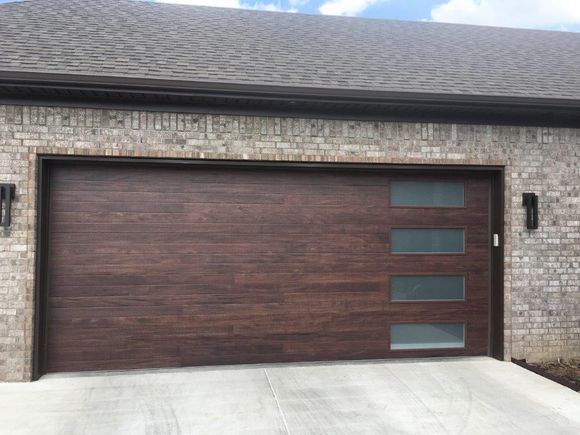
x=7, y=195
x=530, y=201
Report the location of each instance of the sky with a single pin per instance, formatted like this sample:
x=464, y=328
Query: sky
x=533, y=14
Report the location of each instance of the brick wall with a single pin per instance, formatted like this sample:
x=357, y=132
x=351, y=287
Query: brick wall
x=542, y=268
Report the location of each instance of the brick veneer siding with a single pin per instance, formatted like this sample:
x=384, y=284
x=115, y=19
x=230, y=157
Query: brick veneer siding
x=542, y=270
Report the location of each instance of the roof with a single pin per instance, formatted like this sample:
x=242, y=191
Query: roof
x=135, y=40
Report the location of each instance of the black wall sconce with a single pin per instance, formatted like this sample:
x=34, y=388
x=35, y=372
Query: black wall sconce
x=7, y=195
x=530, y=201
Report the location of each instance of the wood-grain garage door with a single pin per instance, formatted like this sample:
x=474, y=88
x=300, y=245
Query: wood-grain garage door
x=168, y=266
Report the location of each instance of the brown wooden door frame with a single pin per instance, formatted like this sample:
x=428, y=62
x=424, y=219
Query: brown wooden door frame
x=496, y=174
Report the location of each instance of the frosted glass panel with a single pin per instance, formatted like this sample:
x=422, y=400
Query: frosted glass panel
x=427, y=336
x=427, y=287
x=427, y=194
x=419, y=240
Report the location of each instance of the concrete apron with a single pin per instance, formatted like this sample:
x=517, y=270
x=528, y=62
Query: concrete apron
x=447, y=396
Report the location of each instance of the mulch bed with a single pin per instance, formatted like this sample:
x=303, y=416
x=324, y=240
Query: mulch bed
x=564, y=372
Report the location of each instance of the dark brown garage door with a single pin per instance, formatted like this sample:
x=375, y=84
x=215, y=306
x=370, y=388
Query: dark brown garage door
x=165, y=266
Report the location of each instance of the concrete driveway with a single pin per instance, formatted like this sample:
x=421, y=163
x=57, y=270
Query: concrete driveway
x=470, y=395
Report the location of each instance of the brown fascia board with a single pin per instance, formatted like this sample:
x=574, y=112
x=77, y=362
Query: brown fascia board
x=144, y=86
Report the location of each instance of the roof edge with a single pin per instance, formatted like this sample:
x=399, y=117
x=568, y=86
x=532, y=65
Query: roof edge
x=271, y=92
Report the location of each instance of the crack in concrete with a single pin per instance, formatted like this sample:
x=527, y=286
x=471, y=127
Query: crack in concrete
x=277, y=402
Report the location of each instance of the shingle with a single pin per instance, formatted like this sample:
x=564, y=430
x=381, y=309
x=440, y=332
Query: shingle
x=134, y=39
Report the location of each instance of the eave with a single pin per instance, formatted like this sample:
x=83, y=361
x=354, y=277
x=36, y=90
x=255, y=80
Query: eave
x=234, y=98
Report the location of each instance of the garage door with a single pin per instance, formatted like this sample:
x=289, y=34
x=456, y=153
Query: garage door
x=168, y=266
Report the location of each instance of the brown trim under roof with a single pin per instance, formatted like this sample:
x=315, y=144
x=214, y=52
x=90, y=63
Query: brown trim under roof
x=253, y=91
x=233, y=98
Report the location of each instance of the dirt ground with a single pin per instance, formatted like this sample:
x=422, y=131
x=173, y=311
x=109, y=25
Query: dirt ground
x=567, y=369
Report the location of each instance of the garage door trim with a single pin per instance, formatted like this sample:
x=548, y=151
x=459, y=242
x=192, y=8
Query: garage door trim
x=496, y=174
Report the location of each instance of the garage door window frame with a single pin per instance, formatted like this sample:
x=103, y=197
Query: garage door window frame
x=417, y=227
x=426, y=181
x=464, y=277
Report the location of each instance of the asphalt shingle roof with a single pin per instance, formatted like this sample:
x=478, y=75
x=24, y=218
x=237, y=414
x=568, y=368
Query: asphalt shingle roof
x=133, y=39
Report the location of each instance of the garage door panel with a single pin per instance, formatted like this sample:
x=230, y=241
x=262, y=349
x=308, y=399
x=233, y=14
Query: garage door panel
x=248, y=214
x=120, y=359
x=437, y=353
x=229, y=192
x=158, y=273
x=452, y=264
x=74, y=312
x=221, y=284
x=288, y=323
x=201, y=297
x=262, y=214
x=117, y=200
x=208, y=300
x=123, y=345
x=479, y=299
x=215, y=350
x=154, y=266
x=352, y=304
x=308, y=262
x=65, y=365
x=230, y=258
x=438, y=311
x=474, y=249
x=476, y=193
x=334, y=281
x=317, y=351
x=169, y=279
x=113, y=205
x=428, y=218
x=160, y=231
x=477, y=240
x=209, y=325
x=292, y=303
x=140, y=175
x=204, y=350
x=236, y=260
x=477, y=336
x=289, y=355
x=327, y=245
